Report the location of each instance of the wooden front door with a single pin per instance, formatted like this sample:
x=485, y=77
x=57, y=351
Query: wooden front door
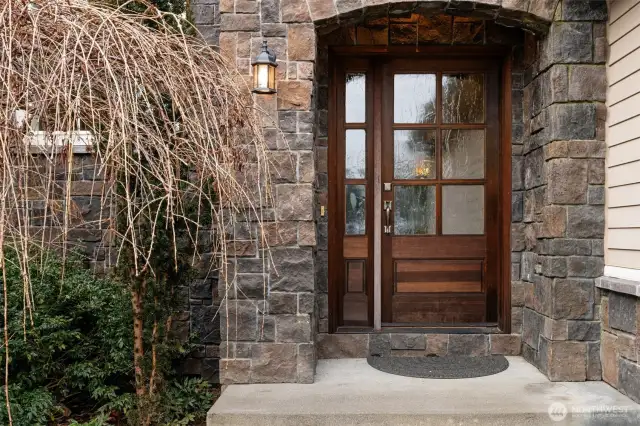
x=415, y=172
x=440, y=169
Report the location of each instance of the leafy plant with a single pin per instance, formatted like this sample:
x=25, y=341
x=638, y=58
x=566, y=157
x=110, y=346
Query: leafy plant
x=74, y=348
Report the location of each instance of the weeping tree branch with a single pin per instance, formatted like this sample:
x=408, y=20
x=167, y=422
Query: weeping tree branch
x=169, y=125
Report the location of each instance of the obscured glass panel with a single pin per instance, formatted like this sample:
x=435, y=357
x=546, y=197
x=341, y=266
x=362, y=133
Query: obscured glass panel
x=414, y=98
x=355, y=276
x=463, y=154
x=414, y=154
x=463, y=209
x=356, y=154
x=414, y=210
x=463, y=98
x=355, y=98
x=355, y=206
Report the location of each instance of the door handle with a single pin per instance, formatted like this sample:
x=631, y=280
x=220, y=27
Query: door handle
x=387, y=212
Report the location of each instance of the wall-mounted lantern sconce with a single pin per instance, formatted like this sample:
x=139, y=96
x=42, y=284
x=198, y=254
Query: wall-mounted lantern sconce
x=264, y=71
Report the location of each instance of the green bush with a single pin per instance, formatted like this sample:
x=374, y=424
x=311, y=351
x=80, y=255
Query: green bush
x=77, y=352
x=77, y=356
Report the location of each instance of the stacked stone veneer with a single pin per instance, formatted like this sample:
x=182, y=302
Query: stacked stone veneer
x=270, y=327
x=620, y=344
x=563, y=219
x=197, y=303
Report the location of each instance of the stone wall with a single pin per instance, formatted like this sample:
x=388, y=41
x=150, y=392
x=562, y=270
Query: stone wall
x=620, y=351
x=269, y=328
x=198, y=303
x=563, y=214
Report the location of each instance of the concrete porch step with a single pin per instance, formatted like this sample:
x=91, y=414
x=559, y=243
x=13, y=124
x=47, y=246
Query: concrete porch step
x=350, y=392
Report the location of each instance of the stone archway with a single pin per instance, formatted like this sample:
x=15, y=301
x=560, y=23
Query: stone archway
x=532, y=15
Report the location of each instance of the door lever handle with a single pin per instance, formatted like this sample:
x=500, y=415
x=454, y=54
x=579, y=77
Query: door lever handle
x=387, y=212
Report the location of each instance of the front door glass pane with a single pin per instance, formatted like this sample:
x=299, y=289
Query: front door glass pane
x=463, y=98
x=414, y=154
x=463, y=209
x=355, y=214
x=414, y=98
x=355, y=98
x=463, y=154
x=355, y=158
x=414, y=210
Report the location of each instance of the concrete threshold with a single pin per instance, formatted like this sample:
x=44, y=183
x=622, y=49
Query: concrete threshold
x=350, y=392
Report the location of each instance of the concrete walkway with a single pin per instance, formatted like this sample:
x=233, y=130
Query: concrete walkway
x=350, y=392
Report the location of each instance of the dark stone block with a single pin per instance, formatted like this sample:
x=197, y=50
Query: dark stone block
x=321, y=271
x=594, y=366
x=306, y=303
x=584, y=10
x=586, y=266
x=468, y=344
x=566, y=361
x=622, y=312
x=572, y=298
x=554, y=266
x=273, y=363
x=534, y=169
x=584, y=330
x=568, y=42
x=567, y=247
x=293, y=328
x=266, y=329
x=288, y=121
x=573, y=121
x=270, y=10
x=200, y=289
x=517, y=206
x=205, y=322
x=379, y=344
x=274, y=30
x=251, y=286
x=585, y=222
x=322, y=234
x=203, y=13
x=331, y=346
x=408, y=341
x=283, y=303
x=211, y=370
x=629, y=379
x=517, y=172
x=242, y=320
x=532, y=325
x=542, y=295
x=294, y=270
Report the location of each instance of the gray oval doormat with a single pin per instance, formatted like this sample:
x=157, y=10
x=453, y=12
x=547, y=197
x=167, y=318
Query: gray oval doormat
x=444, y=367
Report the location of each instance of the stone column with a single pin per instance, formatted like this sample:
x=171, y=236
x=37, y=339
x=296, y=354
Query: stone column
x=268, y=318
x=564, y=195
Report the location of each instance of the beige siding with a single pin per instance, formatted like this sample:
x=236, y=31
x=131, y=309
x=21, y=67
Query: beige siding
x=622, y=235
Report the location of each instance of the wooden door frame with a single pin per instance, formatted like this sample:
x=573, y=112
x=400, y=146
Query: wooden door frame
x=335, y=258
